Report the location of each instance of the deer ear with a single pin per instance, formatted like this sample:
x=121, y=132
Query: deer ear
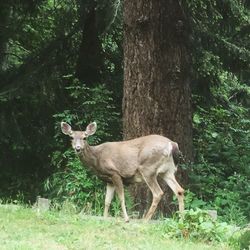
x=91, y=129
x=66, y=128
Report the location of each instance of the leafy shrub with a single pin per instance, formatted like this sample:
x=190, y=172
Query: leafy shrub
x=231, y=201
x=198, y=225
x=192, y=201
x=220, y=175
x=76, y=184
x=244, y=240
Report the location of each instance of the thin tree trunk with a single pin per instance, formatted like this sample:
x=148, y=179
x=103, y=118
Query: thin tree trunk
x=90, y=58
x=5, y=9
x=157, y=96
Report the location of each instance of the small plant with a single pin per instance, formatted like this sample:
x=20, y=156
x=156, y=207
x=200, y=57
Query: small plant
x=193, y=202
x=198, y=225
x=74, y=183
x=244, y=240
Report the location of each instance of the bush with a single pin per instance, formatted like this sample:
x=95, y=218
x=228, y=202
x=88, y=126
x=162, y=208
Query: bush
x=244, y=240
x=198, y=225
x=220, y=175
x=74, y=183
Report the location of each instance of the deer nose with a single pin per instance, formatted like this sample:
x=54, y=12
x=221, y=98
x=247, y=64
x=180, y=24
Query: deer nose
x=78, y=148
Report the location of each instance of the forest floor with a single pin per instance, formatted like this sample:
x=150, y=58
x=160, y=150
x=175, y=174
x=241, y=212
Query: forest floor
x=30, y=229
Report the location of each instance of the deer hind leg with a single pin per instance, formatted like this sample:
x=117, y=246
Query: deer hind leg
x=117, y=181
x=110, y=191
x=157, y=193
x=176, y=188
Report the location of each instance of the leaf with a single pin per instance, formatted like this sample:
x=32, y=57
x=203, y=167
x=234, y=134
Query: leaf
x=214, y=134
x=207, y=225
x=196, y=119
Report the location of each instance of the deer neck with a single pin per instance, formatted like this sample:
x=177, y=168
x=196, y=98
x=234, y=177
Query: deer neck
x=88, y=156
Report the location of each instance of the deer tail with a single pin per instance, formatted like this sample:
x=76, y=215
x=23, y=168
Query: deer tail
x=176, y=153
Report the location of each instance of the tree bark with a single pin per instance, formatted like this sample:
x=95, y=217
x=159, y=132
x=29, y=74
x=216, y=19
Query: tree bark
x=157, y=95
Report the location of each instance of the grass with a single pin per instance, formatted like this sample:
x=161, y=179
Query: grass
x=28, y=229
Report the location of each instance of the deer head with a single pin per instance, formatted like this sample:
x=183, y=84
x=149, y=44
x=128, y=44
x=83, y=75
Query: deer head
x=78, y=137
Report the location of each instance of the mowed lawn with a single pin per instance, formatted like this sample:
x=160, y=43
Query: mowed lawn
x=27, y=228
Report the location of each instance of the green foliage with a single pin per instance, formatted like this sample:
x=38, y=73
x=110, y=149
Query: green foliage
x=220, y=30
x=88, y=105
x=231, y=201
x=221, y=172
x=198, y=225
x=244, y=240
x=192, y=201
x=75, y=184
x=219, y=177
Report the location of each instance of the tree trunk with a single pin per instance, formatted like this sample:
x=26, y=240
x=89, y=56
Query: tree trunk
x=157, y=96
x=90, y=60
x=5, y=9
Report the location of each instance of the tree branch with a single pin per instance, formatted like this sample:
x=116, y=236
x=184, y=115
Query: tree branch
x=32, y=63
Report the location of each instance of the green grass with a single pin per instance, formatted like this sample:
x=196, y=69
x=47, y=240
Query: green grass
x=27, y=228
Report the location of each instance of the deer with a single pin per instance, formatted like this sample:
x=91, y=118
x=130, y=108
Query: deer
x=126, y=162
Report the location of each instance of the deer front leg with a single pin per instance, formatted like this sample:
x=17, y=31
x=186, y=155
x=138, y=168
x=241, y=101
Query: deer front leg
x=108, y=198
x=117, y=181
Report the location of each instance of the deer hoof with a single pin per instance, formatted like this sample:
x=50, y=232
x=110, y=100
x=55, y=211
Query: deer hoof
x=126, y=220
